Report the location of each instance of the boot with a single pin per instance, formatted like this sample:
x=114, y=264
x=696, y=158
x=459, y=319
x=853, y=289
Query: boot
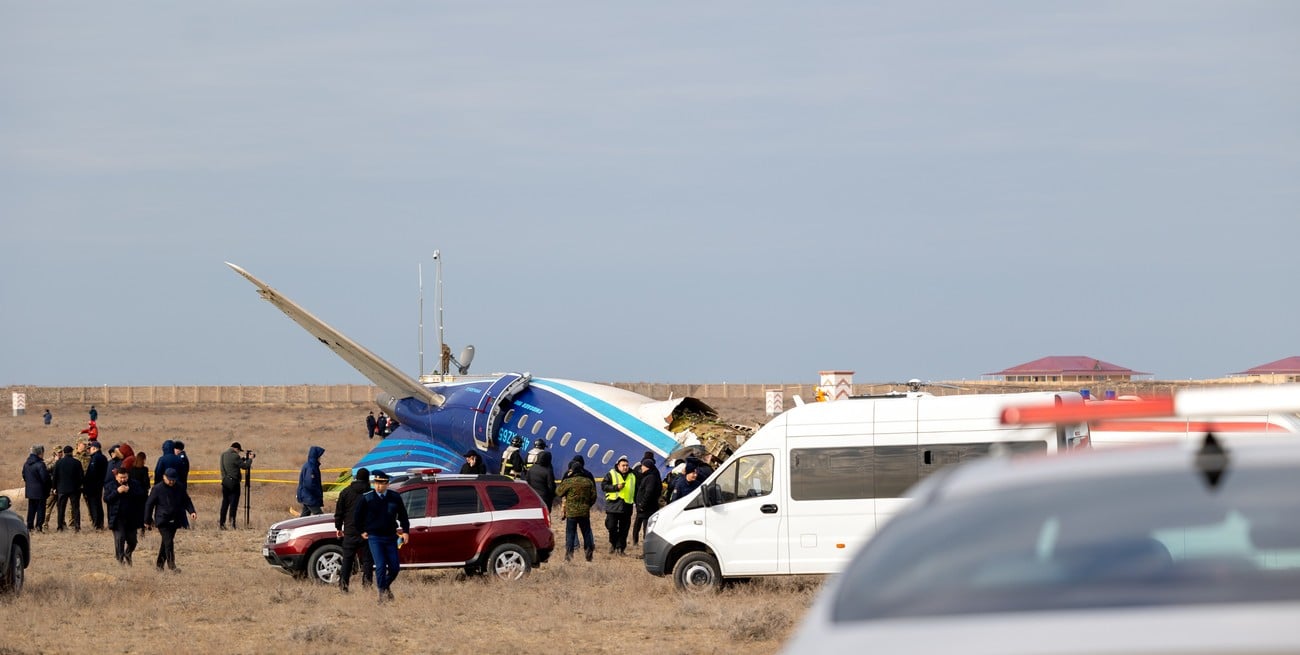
x=591, y=550
x=568, y=556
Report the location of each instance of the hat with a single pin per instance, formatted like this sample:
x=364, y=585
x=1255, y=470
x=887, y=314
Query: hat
x=621, y=458
x=648, y=463
x=178, y=445
x=363, y=474
x=379, y=475
x=95, y=444
x=471, y=453
x=235, y=445
x=691, y=467
x=67, y=450
x=171, y=473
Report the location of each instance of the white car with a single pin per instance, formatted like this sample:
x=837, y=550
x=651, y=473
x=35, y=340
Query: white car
x=1168, y=549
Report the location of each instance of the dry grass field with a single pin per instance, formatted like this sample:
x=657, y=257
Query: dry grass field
x=227, y=599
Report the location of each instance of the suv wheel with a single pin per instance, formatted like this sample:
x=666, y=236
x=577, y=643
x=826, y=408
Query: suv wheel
x=698, y=573
x=325, y=563
x=509, y=562
x=11, y=580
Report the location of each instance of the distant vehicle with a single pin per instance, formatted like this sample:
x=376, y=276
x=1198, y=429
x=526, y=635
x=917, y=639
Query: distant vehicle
x=802, y=494
x=481, y=523
x=15, y=549
x=452, y=414
x=1169, y=548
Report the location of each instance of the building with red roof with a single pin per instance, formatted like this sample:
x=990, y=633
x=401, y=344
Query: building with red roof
x=1069, y=368
x=1283, y=370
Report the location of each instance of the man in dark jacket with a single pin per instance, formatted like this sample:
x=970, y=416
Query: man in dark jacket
x=541, y=477
x=92, y=485
x=346, y=528
x=310, y=492
x=232, y=463
x=649, y=488
x=384, y=525
x=125, y=499
x=167, y=508
x=473, y=464
x=67, y=484
x=36, y=479
x=370, y=425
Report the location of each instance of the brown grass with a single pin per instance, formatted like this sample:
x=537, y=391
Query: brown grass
x=227, y=599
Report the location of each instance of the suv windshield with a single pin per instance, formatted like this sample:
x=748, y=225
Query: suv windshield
x=1162, y=538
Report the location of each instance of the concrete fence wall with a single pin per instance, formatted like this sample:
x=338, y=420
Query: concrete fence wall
x=308, y=394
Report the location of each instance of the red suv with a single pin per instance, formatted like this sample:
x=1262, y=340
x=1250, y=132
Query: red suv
x=481, y=523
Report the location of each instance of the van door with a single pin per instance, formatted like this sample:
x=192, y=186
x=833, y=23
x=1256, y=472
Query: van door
x=743, y=518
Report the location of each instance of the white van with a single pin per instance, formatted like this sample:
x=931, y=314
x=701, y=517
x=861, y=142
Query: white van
x=813, y=484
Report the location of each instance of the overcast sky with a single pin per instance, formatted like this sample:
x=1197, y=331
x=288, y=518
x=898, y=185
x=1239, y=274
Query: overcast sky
x=667, y=191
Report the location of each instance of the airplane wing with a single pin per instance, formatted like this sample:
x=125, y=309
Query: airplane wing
x=384, y=375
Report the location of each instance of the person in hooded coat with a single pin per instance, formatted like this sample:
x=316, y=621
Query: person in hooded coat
x=36, y=479
x=310, y=492
x=541, y=477
x=649, y=489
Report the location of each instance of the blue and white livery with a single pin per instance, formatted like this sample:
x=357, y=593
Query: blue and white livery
x=440, y=421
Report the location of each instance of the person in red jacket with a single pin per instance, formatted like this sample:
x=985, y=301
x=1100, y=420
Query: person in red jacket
x=91, y=431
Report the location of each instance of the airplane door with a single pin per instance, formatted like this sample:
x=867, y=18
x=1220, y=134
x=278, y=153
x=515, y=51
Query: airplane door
x=492, y=404
x=743, y=520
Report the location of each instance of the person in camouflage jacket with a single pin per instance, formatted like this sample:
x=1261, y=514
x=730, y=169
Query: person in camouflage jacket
x=577, y=493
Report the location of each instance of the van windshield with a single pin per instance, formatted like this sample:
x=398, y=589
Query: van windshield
x=1068, y=546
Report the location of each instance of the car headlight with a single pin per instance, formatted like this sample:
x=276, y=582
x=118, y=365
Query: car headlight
x=650, y=522
x=282, y=536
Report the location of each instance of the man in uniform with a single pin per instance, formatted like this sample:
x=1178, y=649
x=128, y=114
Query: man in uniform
x=382, y=518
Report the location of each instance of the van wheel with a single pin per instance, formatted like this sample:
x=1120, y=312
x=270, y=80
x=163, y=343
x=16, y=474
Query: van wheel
x=325, y=563
x=11, y=581
x=509, y=562
x=698, y=573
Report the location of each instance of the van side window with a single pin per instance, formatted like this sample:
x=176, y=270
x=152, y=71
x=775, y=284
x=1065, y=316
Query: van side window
x=831, y=473
x=746, y=477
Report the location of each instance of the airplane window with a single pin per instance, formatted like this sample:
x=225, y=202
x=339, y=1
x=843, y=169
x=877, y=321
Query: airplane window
x=564, y=441
x=582, y=443
x=537, y=427
x=523, y=420
x=510, y=413
x=550, y=434
x=594, y=448
x=609, y=454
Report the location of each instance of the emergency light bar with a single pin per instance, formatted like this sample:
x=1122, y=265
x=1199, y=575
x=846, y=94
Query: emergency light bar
x=1184, y=403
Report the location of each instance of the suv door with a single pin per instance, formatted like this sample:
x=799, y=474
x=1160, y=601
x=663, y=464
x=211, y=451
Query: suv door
x=416, y=501
x=458, y=518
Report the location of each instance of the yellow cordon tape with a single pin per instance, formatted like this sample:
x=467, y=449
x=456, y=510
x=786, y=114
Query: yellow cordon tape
x=202, y=473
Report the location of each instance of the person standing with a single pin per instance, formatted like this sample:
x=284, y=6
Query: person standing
x=52, y=500
x=36, y=480
x=381, y=425
x=96, y=475
x=577, y=493
x=94, y=413
x=346, y=529
x=473, y=464
x=48, y=416
x=384, y=525
x=232, y=464
x=140, y=470
x=649, y=488
x=620, y=492
x=91, y=431
x=310, y=492
x=166, y=509
x=125, y=499
x=370, y=425
x=535, y=451
x=541, y=477
x=512, y=463
x=68, y=476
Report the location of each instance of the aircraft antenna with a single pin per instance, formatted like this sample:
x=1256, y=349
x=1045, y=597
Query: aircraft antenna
x=437, y=301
